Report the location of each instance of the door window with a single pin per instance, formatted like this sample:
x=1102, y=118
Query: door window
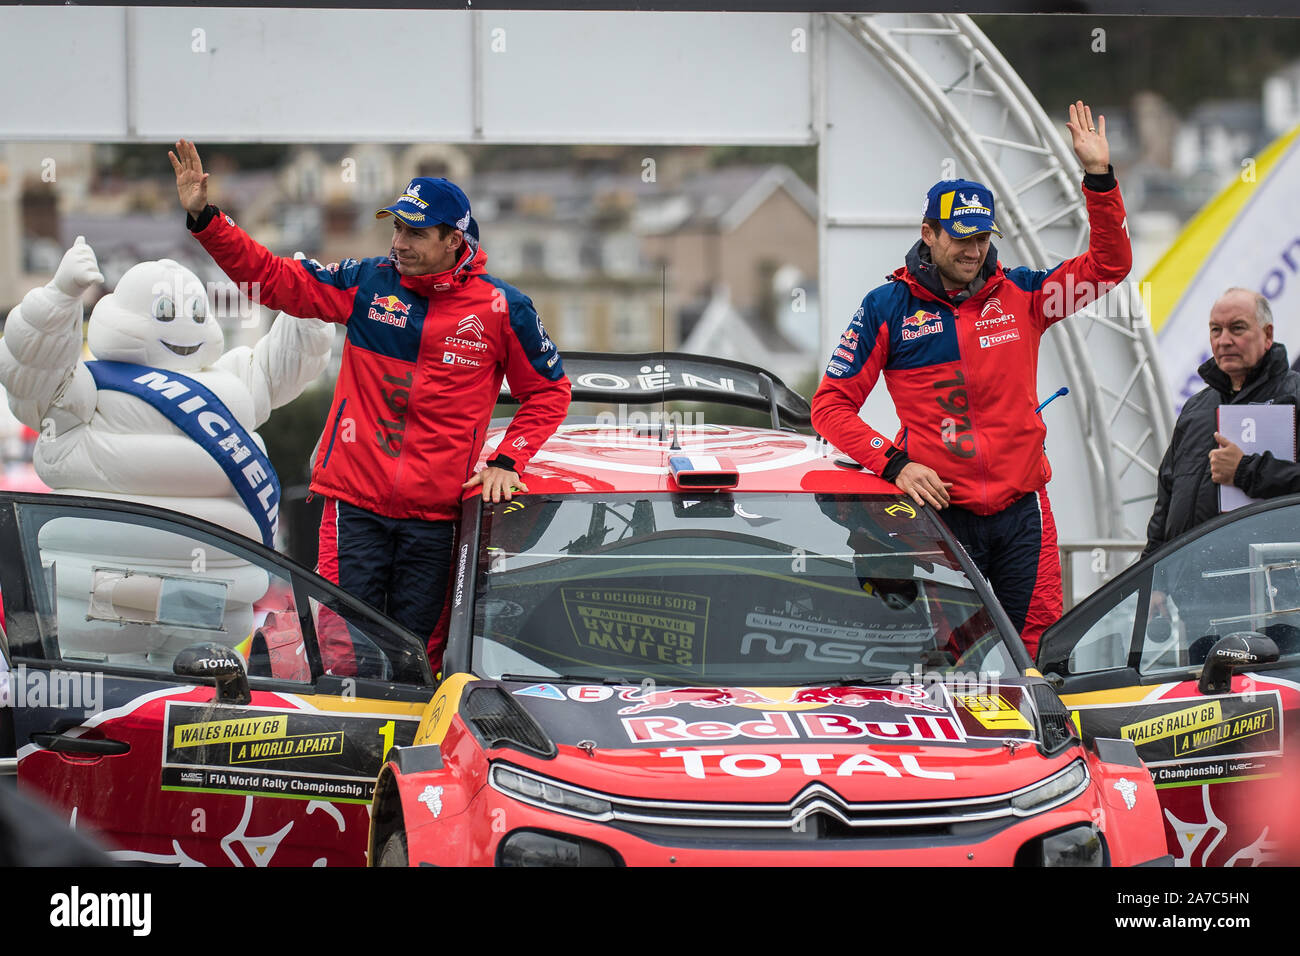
x=353, y=646
x=131, y=591
x=125, y=590
x=1243, y=576
x=1104, y=646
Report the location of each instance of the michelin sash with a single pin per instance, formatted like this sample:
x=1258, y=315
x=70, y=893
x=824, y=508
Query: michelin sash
x=197, y=411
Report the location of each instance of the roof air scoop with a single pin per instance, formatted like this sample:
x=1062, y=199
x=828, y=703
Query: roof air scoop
x=703, y=472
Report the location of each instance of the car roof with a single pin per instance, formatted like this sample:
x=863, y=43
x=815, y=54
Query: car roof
x=615, y=453
x=582, y=458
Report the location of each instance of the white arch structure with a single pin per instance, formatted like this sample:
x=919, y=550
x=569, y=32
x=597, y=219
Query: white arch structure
x=894, y=102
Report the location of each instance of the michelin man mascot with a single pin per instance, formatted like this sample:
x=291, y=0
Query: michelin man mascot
x=164, y=416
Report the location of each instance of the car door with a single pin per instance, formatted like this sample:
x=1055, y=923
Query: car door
x=1129, y=660
x=117, y=613
x=8, y=760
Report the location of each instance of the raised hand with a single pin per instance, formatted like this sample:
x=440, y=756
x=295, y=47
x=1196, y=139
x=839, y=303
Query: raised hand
x=191, y=180
x=1089, y=138
x=78, y=270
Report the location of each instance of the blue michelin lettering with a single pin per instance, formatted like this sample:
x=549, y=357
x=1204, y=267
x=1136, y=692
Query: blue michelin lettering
x=200, y=414
x=214, y=424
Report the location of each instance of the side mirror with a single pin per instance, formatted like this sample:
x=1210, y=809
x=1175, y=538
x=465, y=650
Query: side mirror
x=225, y=666
x=1232, y=653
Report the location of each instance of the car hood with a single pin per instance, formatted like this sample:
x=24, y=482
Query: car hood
x=869, y=743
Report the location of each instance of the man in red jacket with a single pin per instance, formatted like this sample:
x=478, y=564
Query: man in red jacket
x=430, y=336
x=957, y=338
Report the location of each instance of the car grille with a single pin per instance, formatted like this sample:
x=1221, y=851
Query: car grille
x=1058, y=728
x=816, y=812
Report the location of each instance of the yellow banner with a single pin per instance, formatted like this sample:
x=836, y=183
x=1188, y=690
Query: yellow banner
x=1246, y=237
x=1179, y=721
x=1247, y=725
x=229, y=731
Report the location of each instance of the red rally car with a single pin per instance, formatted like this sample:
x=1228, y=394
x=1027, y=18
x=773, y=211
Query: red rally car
x=688, y=643
x=694, y=643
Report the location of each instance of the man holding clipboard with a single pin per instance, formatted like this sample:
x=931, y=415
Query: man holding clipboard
x=1250, y=400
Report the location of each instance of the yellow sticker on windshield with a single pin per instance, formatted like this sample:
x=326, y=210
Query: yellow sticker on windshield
x=639, y=624
x=901, y=508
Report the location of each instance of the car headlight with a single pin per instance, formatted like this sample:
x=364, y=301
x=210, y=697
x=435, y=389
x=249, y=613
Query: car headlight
x=544, y=793
x=1077, y=846
x=542, y=848
x=1055, y=790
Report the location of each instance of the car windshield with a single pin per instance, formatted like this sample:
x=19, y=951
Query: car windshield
x=720, y=588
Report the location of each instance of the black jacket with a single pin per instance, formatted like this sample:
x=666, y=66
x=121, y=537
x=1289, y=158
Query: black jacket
x=1186, y=496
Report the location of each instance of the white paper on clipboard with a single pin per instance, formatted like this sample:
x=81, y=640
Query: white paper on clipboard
x=1256, y=429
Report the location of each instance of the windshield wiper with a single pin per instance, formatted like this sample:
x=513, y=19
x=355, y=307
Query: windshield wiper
x=571, y=679
x=847, y=681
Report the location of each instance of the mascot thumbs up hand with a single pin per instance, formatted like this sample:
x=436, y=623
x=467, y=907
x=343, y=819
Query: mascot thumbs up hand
x=79, y=269
x=42, y=340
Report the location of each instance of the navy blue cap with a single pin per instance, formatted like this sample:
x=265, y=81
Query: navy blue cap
x=428, y=202
x=965, y=208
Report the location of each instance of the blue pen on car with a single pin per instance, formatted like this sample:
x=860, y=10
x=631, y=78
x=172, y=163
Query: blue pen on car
x=1063, y=390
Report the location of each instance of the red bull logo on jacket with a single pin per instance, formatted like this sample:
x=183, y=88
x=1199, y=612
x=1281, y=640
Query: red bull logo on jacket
x=921, y=323
x=389, y=309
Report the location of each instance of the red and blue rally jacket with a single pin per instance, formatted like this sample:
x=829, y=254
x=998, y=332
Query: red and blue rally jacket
x=963, y=371
x=422, y=368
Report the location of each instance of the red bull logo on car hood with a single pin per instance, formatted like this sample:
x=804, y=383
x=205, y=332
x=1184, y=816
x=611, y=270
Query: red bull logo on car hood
x=654, y=715
x=921, y=718
x=911, y=696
